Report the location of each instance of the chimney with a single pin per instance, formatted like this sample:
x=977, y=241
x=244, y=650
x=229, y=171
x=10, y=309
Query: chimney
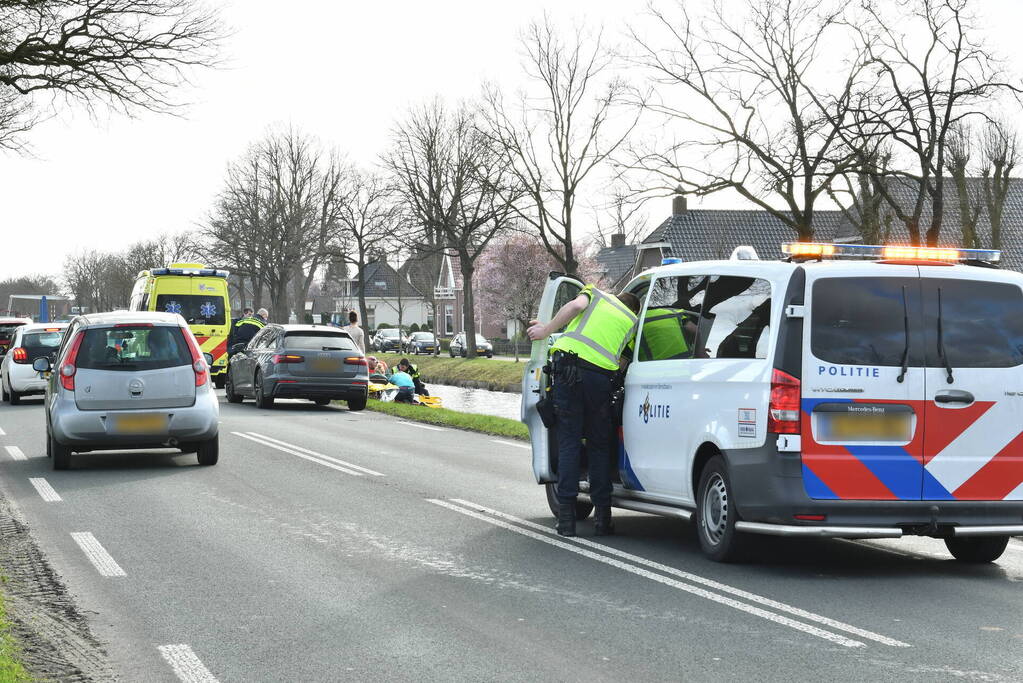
x=618, y=240
x=678, y=202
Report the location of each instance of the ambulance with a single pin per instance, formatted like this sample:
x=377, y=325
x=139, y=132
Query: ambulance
x=199, y=294
x=845, y=391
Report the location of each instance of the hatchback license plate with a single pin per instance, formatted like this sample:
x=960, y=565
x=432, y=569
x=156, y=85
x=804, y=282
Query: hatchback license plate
x=138, y=424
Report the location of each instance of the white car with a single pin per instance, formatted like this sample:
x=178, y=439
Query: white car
x=847, y=391
x=30, y=341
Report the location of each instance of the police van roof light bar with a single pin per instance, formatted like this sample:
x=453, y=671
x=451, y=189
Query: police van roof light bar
x=820, y=251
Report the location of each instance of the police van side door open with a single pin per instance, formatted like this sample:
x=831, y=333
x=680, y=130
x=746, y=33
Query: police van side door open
x=973, y=330
x=862, y=407
x=559, y=291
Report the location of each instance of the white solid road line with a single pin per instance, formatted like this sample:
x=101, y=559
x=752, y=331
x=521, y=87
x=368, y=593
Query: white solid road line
x=291, y=451
x=2, y=432
x=45, y=490
x=97, y=554
x=422, y=426
x=319, y=455
x=673, y=583
x=15, y=453
x=695, y=578
x=187, y=667
x=516, y=445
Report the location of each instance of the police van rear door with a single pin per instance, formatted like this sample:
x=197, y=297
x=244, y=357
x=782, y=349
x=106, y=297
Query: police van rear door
x=559, y=291
x=862, y=387
x=973, y=330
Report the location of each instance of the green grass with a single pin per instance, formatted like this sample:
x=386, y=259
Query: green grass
x=495, y=374
x=11, y=670
x=487, y=424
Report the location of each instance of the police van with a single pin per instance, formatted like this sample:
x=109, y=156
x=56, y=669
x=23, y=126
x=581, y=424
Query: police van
x=199, y=294
x=846, y=391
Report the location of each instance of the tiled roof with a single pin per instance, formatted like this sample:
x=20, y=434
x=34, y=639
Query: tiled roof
x=904, y=194
x=382, y=281
x=709, y=234
x=616, y=263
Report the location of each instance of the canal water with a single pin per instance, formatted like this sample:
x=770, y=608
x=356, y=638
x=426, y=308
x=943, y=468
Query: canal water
x=482, y=401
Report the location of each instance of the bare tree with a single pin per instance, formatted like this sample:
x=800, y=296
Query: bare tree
x=127, y=54
x=554, y=136
x=623, y=216
x=1000, y=155
x=927, y=88
x=457, y=186
x=958, y=156
x=755, y=111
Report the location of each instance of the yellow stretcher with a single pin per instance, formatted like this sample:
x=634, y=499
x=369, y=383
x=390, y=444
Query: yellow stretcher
x=385, y=391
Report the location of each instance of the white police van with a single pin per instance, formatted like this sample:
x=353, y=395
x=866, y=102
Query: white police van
x=847, y=391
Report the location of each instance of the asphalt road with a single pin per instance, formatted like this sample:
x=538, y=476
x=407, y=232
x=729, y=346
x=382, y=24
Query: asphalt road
x=329, y=545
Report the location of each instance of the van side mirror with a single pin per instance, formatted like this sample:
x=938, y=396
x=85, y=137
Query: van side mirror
x=41, y=364
x=237, y=348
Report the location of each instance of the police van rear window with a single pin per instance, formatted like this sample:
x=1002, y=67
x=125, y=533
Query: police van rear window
x=861, y=321
x=981, y=323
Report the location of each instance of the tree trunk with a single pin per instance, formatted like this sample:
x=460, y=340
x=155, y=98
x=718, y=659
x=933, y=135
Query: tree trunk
x=468, y=305
x=364, y=319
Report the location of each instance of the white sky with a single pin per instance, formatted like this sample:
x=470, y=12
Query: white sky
x=343, y=71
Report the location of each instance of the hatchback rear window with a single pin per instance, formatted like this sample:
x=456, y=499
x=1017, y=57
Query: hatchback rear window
x=133, y=349
x=319, y=341
x=34, y=341
x=862, y=321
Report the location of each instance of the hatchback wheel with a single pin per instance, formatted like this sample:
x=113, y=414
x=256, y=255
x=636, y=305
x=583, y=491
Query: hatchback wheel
x=209, y=452
x=262, y=400
x=14, y=397
x=977, y=549
x=716, y=513
x=61, y=454
x=229, y=392
x=3, y=390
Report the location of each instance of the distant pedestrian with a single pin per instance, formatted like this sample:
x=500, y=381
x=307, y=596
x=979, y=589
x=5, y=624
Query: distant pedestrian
x=354, y=331
x=264, y=314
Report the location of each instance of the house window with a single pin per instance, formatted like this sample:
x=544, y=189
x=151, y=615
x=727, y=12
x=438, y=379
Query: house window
x=371, y=317
x=449, y=320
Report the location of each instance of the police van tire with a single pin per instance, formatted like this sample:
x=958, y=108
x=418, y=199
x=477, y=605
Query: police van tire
x=229, y=393
x=716, y=514
x=583, y=508
x=977, y=549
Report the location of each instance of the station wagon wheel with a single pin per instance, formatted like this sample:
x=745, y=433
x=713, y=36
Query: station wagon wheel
x=262, y=400
x=716, y=514
x=229, y=392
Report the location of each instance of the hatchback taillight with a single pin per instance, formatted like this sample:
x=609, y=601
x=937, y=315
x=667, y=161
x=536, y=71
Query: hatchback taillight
x=68, y=367
x=783, y=412
x=202, y=371
x=19, y=355
x=280, y=358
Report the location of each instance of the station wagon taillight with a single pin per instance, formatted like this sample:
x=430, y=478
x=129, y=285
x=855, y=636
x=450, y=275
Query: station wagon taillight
x=19, y=355
x=68, y=367
x=280, y=358
x=783, y=411
x=356, y=360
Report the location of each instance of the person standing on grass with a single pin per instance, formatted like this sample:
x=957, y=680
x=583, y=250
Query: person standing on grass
x=354, y=331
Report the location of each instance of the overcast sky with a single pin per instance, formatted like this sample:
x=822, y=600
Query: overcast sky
x=343, y=71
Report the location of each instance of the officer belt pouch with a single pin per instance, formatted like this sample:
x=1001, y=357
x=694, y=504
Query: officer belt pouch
x=545, y=408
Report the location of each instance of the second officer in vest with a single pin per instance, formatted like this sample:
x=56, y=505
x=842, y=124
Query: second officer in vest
x=585, y=359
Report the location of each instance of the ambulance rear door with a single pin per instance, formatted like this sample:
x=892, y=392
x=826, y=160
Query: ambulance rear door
x=559, y=291
x=973, y=327
x=862, y=387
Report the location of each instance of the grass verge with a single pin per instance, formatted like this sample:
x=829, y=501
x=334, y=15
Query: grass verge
x=487, y=424
x=11, y=669
x=487, y=373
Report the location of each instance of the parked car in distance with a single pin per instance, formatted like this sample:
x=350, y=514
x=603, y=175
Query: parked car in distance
x=129, y=380
x=8, y=326
x=458, y=346
x=17, y=376
x=313, y=362
x=421, y=342
x=387, y=339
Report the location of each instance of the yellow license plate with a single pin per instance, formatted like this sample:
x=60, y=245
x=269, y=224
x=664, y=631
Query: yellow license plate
x=138, y=424
x=325, y=364
x=867, y=428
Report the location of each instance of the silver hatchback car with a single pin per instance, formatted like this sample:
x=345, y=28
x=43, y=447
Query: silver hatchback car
x=129, y=380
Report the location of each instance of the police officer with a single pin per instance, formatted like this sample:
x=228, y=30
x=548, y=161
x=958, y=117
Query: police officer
x=667, y=332
x=413, y=371
x=585, y=359
x=246, y=328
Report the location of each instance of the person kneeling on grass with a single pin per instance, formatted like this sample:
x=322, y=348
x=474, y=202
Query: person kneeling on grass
x=406, y=387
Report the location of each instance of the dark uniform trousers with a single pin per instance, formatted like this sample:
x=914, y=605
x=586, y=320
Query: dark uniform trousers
x=582, y=404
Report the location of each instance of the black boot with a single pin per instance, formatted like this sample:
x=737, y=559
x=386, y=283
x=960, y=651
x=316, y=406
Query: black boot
x=566, y=519
x=602, y=525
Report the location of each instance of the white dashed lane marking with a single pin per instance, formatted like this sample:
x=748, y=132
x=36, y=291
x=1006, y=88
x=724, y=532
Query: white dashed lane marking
x=97, y=554
x=15, y=453
x=2, y=432
x=187, y=666
x=305, y=456
x=514, y=445
x=360, y=468
x=46, y=491
x=422, y=426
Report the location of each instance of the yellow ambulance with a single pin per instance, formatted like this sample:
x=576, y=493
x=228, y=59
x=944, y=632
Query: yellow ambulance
x=199, y=294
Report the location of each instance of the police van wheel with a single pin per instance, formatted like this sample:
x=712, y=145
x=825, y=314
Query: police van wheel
x=978, y=549
x=582, y=508
x=716, y=514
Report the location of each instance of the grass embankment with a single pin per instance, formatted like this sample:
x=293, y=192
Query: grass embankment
x=487, y=424
x=482, y=373
x=11, y=670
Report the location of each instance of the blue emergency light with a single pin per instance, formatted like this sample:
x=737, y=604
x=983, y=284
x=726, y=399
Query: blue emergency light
x=670, y=260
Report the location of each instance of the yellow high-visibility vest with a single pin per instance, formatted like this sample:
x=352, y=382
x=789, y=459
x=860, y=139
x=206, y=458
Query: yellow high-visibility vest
x=601, y=332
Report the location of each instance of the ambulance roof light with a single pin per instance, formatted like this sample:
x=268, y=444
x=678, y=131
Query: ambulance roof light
x=803, y=251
